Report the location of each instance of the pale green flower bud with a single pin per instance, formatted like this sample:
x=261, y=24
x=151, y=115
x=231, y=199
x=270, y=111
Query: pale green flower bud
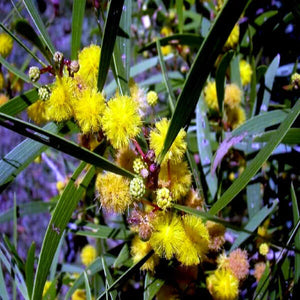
x=34, y=74
x=137, y=188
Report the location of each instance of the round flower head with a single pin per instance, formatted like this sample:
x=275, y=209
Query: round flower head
x=137, y=188
x=180, y=178
x=114, y=192
x=246, y=72
x=233, y=37
x=238, y=263
x=6, y=44
x=168, y=235
x=157, y=139
x=88, y=60
x=38, y=112
x=88, y=254
x=125, y=158
x=223, y=285
x=233, y=95
x=88, y=110
x=1, y=81
x=60, y=103
x=34, y=74
x=79, y=295
x=138, y=95
x=121, y=121
x=139, y=249
x=259, y=269
x=210, y=95
x=264, y=249
x=196, y=242
x=152, y=98
x=44, y=93
x=139, y=165
x=163, y=198
x=216, y=233
x=3, y=99
x=235, y=116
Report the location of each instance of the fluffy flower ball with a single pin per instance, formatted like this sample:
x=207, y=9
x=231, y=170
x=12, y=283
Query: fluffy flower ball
x=238, y=263
x=6, y=44
x=233, y=95
x=157, y=139
x=113, y=192
x=79, y=295
x=210, y=95
x=38, y=112
x=236, y=116
x=88, y=254
x=233, y=37
x=245, y=72
x=121, y=121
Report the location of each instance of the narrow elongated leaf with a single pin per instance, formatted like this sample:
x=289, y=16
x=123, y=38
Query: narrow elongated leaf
x=60, y=144
x=254, y=199
x=292, y=137
x=59, y=220
x=296, y=215
x=24, y=28
x=123, y=256
x=109, y=37
x=269, y=80
x=16, y=72
x=87, y=287
x=77, y=20
x=127, y=274
x=105, y=232
x=22, y=44
x=3, y=290
x=204, y=61
x=19, y=103
x=55, y=259
x=109, y=279
x=39, y=24
x=179, y=9
x=92, y=269
x=257, y=162
x=152, y=286
x=253, y=224
x=261, y=289
x=29, y=269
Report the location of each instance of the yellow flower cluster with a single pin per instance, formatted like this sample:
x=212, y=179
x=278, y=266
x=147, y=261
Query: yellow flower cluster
x=6, y=44
x=88, y=254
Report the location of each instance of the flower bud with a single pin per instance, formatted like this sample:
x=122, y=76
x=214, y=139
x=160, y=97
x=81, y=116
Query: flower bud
x=58, y=57
x=74, y=66
x=44, y=93
x=152, y=98
x=34, y=74
x=163, y=198
x=137, y=188
x=138, y=165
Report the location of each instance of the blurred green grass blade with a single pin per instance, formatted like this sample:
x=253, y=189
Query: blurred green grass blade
x=19, y=103
x=253, y=92
x=105, y=232
x=254, y=199
x=109, y=279
x=22, y=44
x=292, y=137
x=152, y=286
x=261, y=291
x=235, y=76
x=269, y=80
x=87, y=287
x=35, y=16
x=54, y=263
x=171, y=95
x=55, y=141
x=296, y=215
x=220, y=77
x=126, y=275
x=258, y=123
x=179, y=9
x=204, y=61
x=92, y=269
x=77, y=20
x=59, y=220
x=124, y=43
x=29, y=269
x=3, y=290
x=21, y=156
x=123, y=256
x=253, y=224
x=17, y=72
x=257, y=162
x=190, y=39
x=23, y=28
x=204, y=146
x=109, y=37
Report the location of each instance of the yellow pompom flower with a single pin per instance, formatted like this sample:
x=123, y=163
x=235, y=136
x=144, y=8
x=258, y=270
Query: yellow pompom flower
x=236, y=116
x=233, y=95
x=3, y=99
x=139, y=249
x=264, y=249
x=88, y=60
x=125, y=158
x=223, y=285
x=180, y=178
x=1, y=81
x=245, y=72
x=88, y=254
x=113, y=192
x=88, y=110
x=233, y=37
x=38, y=112
x=163, y=198
x=196, y=242
x=210, y=95
x=60, y=103
x=121, y=121
x=6, y=44
x=152, y=98
x=79, y=295
x=157, y=139
x=168, y=235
